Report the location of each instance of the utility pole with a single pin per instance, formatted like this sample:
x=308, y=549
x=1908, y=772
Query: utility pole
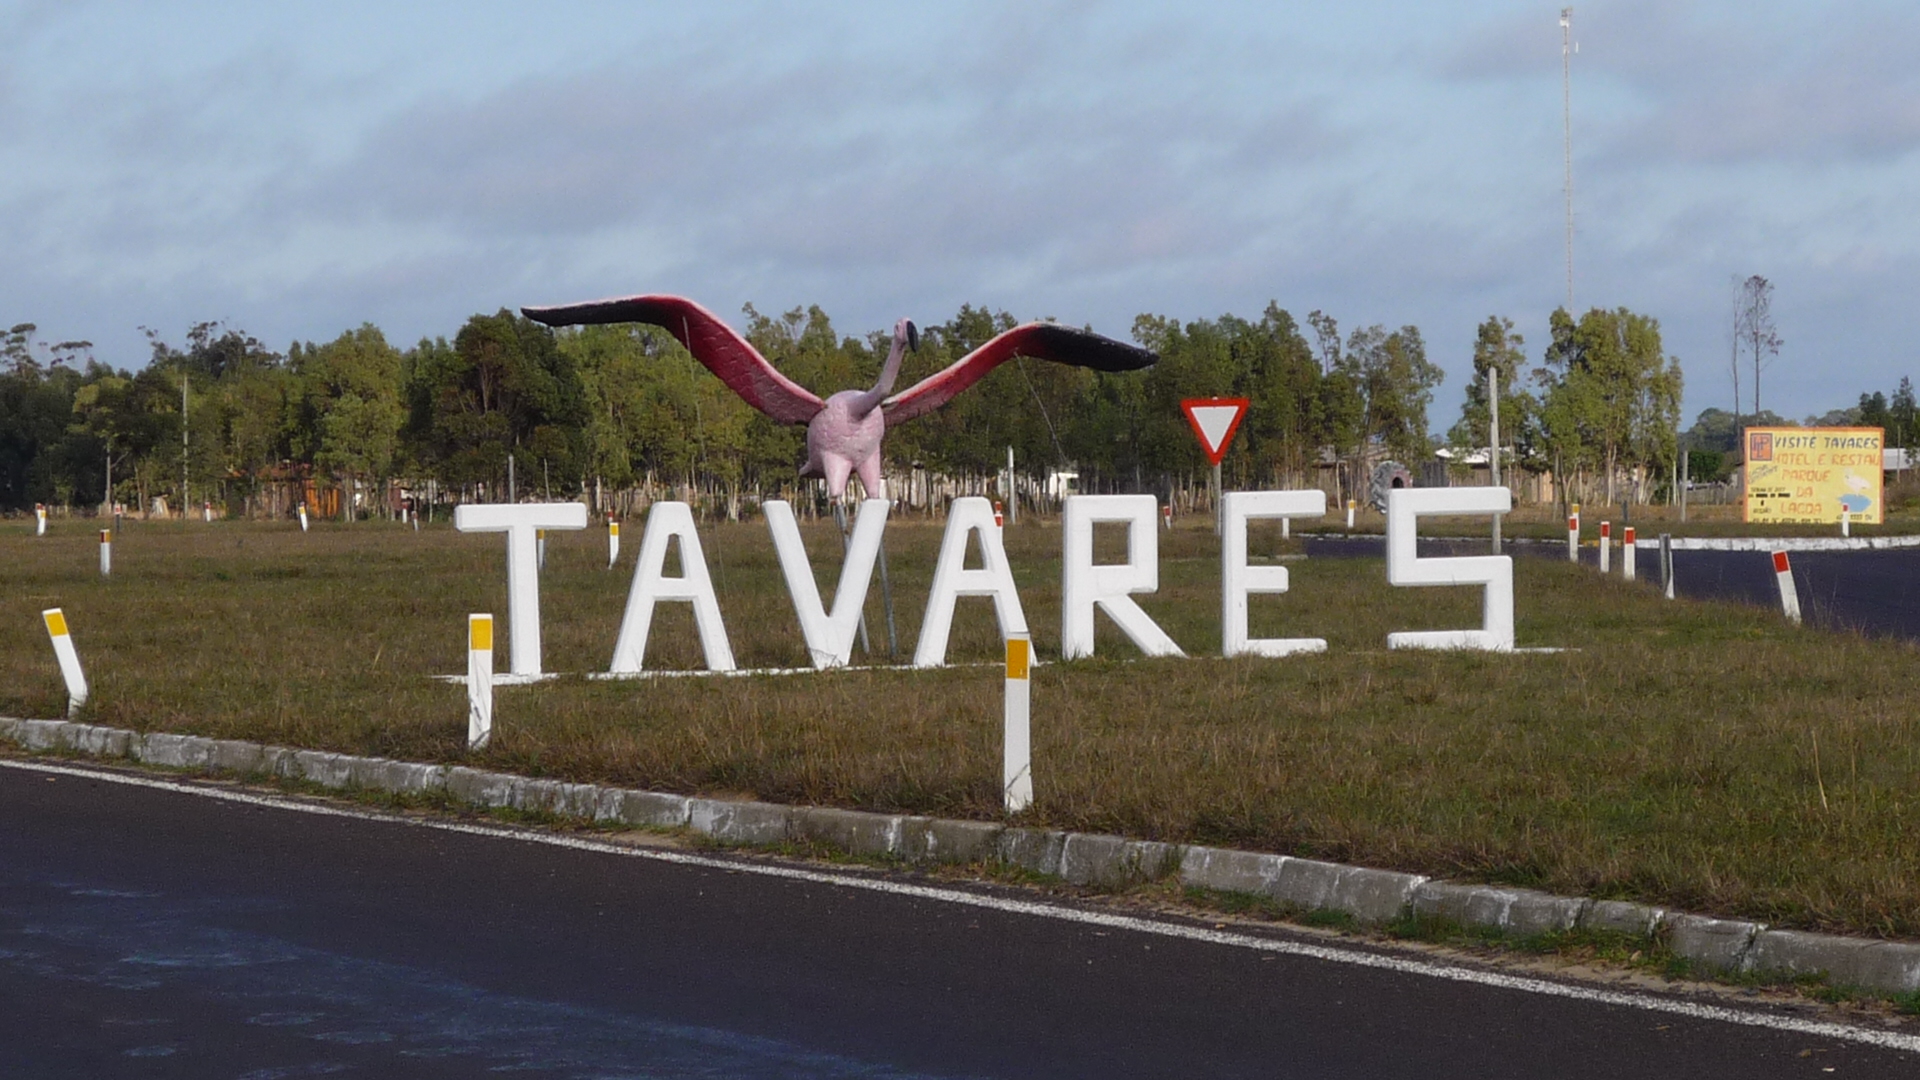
x=1493, y=425
x=1567, y=49
x=185, y=495
x=1013, y=494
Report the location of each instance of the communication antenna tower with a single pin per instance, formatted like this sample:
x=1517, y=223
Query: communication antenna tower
x=1567, y=49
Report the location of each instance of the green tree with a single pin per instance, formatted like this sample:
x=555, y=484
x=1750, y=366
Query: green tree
x=1612, y=395
x=1497, y=347
x=503, y=387
x=1395, y=380
x=1903, y=414
x=352, y=393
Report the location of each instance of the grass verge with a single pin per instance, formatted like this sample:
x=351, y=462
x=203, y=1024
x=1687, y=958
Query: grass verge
x=1700, y=756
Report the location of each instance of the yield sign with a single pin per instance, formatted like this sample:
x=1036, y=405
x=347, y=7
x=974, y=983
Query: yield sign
x=1215, y=420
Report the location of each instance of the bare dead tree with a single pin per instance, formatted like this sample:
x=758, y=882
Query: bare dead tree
x=1733, y=336
x=1754, y=329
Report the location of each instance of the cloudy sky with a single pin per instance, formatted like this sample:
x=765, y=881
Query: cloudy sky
x=296, y=170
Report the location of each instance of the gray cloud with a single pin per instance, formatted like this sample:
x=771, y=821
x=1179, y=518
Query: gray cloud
x=1832, y=85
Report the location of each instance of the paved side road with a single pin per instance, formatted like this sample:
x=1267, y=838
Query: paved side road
x=1874, y=592
x=152, y=932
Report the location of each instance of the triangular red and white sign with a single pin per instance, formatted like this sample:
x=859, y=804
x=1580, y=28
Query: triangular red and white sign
x=1214, y=421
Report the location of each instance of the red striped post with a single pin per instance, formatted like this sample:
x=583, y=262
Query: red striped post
x=1789, y=597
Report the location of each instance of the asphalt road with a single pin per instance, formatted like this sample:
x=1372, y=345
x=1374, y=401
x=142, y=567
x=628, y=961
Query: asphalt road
x=1874, y=592
x=154, y=933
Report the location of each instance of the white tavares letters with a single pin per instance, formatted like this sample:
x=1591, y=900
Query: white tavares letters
x=829, y=637
x=1238, y=580
x=1084, y=585
x=665, y=522
x=1404, y=567
x=520, y=521
x=952, y=580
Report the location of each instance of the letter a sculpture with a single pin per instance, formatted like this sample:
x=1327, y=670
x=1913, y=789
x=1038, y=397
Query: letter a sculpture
x=844, y=431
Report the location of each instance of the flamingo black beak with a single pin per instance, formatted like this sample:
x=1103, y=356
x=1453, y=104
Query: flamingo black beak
x=913, y=337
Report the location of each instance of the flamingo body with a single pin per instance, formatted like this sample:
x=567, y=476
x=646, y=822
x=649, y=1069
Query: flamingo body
x=840, y=443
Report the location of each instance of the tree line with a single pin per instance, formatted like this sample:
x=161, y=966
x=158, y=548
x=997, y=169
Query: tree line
x=222, y=416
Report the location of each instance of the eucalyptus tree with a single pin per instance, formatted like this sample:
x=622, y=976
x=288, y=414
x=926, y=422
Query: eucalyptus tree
x=1611, y=394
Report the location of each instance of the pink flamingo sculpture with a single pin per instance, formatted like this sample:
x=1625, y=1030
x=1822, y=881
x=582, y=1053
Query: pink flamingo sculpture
x=844, y=431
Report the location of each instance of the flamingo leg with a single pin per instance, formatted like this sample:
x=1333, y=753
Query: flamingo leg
x=869, y=469
x=836, y=469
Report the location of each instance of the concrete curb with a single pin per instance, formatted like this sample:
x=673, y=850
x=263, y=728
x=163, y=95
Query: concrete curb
x=1723, y=946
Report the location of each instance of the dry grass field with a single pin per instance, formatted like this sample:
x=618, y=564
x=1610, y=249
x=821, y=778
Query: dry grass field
x=1693, y=754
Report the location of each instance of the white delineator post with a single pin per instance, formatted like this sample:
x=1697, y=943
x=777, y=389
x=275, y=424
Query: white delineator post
x=39, y=519
x=1846, y=522
x=540, y=542
x=76, y=679
x=303, y=517
x=999, y=519
x=1350, y=508
x=106, y=552
x=1016, y=772
x=1166, y=515
x=206, y=512
x=479, y=681
x=613, y=543
x=1789, y=597
x=1626, y=555
x=1606, y=547
x=1573, y=537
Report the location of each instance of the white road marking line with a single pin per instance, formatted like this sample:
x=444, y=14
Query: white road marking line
x=1891, y=1040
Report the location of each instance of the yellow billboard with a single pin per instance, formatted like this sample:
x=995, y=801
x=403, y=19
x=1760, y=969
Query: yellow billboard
x=1809, y=475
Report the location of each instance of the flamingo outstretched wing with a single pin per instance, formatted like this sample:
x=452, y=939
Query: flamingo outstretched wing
x=1042, y=341
x=712, y=342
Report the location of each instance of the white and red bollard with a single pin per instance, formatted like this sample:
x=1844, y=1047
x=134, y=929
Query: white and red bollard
x=39, y=519
x=1606, y=546
x=1166, y=515
x=1573, y=535
x=999, y=519
x=1626, y=554
x=1789, y=597
x=106, y=552
x=1846, y=521
x=206, y=512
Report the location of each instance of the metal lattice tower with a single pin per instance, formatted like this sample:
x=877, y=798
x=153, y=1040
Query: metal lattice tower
x=1566, y=118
